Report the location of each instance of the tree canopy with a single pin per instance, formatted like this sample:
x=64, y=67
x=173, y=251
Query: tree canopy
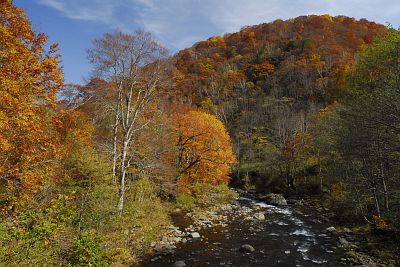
x=30, y=77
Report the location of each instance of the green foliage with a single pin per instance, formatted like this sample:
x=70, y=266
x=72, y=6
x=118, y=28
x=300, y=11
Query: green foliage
x=368, y=137
x=208, y=195
x=205, y=196
x=87, y=223
x=87, y=251
x=143, y=221
x=87, y=181
x=259, y=161
x=352, y=257
x=147, y=212
x=84, y=165
x=185, y=201
x=33, y=238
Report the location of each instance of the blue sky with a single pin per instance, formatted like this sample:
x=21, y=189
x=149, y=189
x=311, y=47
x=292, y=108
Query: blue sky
x=73, y=24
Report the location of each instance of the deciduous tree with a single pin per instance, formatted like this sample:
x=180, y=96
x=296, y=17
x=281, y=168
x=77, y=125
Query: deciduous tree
x=133, y=64
x=29, y=80
x=204, y=150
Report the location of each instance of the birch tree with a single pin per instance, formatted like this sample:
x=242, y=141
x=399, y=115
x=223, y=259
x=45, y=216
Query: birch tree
x=134, y=64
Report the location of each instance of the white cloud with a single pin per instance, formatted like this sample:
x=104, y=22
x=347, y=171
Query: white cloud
x=180, y=23
x=90, y=10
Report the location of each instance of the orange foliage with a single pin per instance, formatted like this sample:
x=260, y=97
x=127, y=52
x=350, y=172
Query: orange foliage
x=204, y=149
x=328, y=109
x=75, y=130
x=29, y=80
x=299, y=27
x=316, y=42
x=262, y=71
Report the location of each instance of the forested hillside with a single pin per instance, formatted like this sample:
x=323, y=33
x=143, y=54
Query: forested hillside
x=268, y=83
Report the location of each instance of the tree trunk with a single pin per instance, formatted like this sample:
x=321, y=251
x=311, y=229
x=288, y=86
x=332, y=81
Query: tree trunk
x=294, y=174
x=115, y=144
x=123, y=177
x=385, y=190
x=288, y=174
x=378, y=210
x=320, y=173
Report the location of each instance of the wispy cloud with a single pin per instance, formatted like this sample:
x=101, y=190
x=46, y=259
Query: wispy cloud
x=180, y=23
x=90, y=10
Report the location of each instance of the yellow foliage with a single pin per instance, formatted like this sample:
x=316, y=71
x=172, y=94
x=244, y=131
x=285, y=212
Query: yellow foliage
x=327, y=17
x=217, y=41
x=204, y=149
x=339, y=192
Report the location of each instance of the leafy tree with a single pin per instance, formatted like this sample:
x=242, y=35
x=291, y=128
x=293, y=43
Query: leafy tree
x=133, y=65
x=29, y=80
x=204, y=150
x=369, y=138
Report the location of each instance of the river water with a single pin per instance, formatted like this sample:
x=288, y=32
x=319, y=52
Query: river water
x=290, y=236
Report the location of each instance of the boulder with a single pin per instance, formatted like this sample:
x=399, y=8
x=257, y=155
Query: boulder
x=331, y=230
x=194, y=235
x=347, y=230
x=275, y=199
x=246, y=248
x=179, y=264
x=259, y=216
x=344, y=242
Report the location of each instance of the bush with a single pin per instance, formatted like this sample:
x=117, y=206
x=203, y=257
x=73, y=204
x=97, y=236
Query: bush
x=185, y=201
x=208, y=195
x=144, y=219
x=32, y=238
x=148, y=214
x=87, y=251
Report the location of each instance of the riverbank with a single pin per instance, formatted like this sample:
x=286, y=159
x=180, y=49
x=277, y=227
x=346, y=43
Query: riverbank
x=366, y=244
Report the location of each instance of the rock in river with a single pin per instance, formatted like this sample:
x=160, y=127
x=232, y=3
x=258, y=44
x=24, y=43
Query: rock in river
x=194, y=235
x=179, y=264
x=246, y=248
x=331, y=230
x=344, y=243
x=259, y=216
x=275, y=199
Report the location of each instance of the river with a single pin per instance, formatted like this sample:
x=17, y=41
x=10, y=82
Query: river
x=290, y=236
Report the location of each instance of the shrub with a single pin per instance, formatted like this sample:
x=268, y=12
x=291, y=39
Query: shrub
x=185, y=201
x=33, y=237
x=87, y=251
x=208, y=195
x=144, y=219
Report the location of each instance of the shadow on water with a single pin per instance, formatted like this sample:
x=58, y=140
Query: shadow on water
x=290, y=236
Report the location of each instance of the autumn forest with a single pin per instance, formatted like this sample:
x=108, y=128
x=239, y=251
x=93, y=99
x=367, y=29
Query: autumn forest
x=97, y=174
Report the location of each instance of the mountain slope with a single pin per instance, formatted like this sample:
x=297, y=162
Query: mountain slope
x=268, y=82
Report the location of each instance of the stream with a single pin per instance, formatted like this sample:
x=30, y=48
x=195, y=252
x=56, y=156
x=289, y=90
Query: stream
x=290, y=236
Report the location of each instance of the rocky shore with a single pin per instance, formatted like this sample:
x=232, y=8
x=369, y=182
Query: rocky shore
x=216, y=216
